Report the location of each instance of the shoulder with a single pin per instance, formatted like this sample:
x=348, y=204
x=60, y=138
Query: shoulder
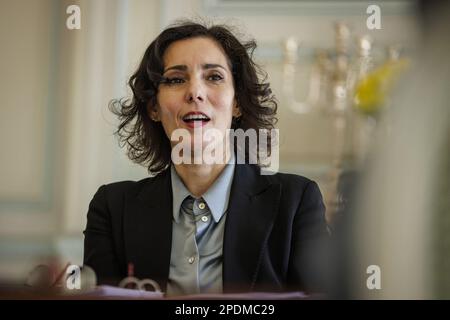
x=117, y=191
x=305, y=190
x=126, y=186
x=289, y=181
x=293, y=187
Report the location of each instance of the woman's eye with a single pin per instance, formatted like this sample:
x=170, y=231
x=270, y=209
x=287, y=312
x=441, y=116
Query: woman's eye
x=174, y=80
x=215, y=77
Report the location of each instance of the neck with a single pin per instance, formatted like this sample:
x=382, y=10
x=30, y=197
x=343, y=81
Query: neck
x=198, y=178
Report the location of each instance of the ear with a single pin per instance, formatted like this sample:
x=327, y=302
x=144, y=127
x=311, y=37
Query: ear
x=153, y=113
x=236, y=111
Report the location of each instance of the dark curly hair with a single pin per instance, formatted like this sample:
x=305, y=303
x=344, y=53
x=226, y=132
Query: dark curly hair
x=146, y=141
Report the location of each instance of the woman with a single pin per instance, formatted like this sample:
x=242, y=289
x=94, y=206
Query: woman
x=198, y=226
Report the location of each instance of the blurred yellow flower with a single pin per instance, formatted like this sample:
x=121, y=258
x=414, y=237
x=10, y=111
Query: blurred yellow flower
x=372, y=91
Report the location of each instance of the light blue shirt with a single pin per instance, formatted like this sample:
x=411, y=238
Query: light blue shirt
x=197, y=235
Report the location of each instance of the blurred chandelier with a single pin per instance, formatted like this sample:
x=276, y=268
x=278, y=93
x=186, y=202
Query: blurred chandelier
x=334, y=73
x=346, y=85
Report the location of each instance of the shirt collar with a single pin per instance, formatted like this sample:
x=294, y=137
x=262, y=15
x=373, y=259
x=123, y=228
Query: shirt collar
x=216, y=197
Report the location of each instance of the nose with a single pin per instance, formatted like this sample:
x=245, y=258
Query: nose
x=195, y=92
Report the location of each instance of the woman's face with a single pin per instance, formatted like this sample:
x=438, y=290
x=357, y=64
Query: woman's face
x=198, y=91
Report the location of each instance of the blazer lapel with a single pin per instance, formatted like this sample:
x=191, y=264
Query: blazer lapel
x=253, y=206
x=148, y=229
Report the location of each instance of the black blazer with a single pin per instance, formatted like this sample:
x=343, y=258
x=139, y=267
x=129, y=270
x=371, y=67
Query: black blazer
x=275, y=233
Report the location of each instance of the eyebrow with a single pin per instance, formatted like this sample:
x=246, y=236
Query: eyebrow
x=205, y=66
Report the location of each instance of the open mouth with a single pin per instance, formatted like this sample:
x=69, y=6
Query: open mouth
x=196, y=118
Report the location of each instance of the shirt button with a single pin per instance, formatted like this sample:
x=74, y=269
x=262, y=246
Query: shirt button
x=201, y=206
x=205, y=219
x=191, y=260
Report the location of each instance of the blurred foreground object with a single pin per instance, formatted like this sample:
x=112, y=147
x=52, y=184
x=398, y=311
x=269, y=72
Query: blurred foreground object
x=131, y=282
x=400, y=221
x=71, y=279
x=40, y=277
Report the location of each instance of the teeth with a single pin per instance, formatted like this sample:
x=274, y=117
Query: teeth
x=196, y=117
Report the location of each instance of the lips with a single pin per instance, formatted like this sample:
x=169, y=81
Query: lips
x=195, y=119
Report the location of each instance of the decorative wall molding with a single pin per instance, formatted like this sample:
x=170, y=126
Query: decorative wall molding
x=303, y=7
x=46, y=191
